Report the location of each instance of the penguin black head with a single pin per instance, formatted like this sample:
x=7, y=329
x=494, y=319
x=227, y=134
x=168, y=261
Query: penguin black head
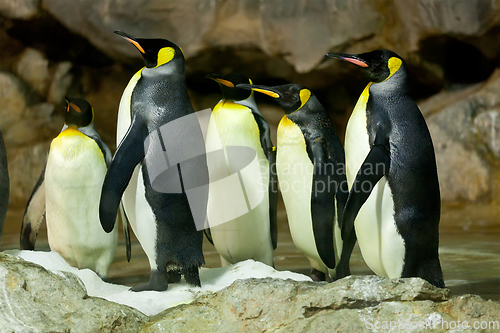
x=79, y=113
x=155, y=51
x=291, y=97
x=379, y=65
x=228, y=87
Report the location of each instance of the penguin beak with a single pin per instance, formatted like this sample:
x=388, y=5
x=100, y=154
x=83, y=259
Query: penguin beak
x=353, y=59
x=131, y=40
x=70, y=104
x=217, y=77
x=262, y=89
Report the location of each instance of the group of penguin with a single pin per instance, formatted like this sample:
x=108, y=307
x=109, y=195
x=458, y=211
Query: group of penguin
x=381, y=191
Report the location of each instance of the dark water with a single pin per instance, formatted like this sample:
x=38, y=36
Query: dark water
x=469, y=251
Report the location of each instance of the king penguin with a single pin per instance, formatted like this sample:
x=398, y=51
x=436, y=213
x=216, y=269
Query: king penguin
x=155, y=115
x=236, y=122
x=394, y=200
x=311, y=173
x=4, y=184
x=67, y=194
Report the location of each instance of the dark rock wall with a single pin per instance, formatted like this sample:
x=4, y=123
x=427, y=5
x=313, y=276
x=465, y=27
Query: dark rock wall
x=53, y=48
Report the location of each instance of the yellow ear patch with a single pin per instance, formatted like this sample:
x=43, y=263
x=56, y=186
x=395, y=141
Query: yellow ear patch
x=165, y=55
x=394, y=64
x=267, y=92
x=225, y=82
x=305, y=94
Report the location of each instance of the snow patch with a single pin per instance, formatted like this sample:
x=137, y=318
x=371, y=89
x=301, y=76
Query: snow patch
x=152, y=302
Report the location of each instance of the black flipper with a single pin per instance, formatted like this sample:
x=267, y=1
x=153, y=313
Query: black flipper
x=273, y=197
x=126, y=231
x=323, y=202
x=130, y=152
x=270, y=152
x=34, y=214
x=208, y=234
x=375, y=166
x=342, y=270
x=4, y=184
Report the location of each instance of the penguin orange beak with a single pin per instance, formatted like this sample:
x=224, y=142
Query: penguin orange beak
x=131, y=40
x=217, y=77
x=262, y=89
x=70, y=104
x=353, y=59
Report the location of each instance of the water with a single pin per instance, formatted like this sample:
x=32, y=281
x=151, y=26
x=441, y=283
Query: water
x=469, y=251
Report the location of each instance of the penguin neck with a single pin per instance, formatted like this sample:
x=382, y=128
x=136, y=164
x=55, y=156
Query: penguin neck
x=249, y=103
x=311, y=107
x=172, y=68
x=311, y=111
x=396, y=84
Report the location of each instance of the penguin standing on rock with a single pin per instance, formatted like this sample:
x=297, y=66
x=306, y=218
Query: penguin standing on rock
x=159, y=160
x=394, y=201
x=67, y=194
x=236, y=122
x=4, y=184
x=311, y=174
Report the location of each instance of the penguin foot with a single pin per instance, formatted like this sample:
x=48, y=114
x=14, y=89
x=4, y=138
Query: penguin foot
x=158, y=281
x=430, y=271
x=173, y=277
x=317, y=275
x=103, y=278
x=192, y=276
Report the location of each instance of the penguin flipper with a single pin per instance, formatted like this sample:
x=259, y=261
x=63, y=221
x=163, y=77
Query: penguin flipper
x=273, y=199
x=270, y=152
x=208, y=234
x=34, y=214
x=373, y=169
x=323, y=202
x=4, y=184
x=129, y=153
x=126, y=231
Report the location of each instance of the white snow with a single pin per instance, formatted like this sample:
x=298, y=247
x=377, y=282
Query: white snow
x=152, y=302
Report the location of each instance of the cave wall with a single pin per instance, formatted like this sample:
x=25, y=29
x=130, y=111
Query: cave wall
x=53, y=48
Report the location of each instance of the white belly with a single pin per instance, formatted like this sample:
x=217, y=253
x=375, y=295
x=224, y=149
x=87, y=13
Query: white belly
x=295, y=175
x=238, y=202
x=381, y=245
x=73, y=180
x=134, y=199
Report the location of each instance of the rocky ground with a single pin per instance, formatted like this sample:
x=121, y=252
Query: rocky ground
x=34, y=299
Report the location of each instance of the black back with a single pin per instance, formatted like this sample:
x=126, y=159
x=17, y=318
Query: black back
x=326, y=152
x=394, y=119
